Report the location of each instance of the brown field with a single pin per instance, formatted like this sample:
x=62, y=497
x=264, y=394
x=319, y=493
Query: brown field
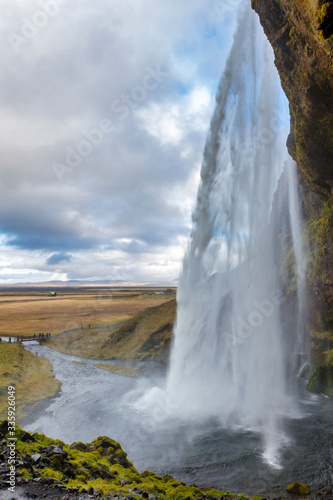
x=25, y=312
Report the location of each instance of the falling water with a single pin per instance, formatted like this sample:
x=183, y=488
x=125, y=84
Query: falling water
x=229, y=358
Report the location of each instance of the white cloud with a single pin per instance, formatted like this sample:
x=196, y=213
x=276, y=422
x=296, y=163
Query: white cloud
x=124, y=211
x=173, y=124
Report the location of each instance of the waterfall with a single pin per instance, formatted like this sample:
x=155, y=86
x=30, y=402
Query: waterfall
x=230, y=358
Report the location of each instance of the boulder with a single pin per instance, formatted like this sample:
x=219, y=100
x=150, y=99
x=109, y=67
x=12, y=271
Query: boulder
x=56, y=450
x=298, y=488
x=36, y=458
x=3, y=428
x=79, y=446
x=27, y=438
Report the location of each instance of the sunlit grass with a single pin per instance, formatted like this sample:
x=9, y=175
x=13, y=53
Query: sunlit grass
x=31, y=375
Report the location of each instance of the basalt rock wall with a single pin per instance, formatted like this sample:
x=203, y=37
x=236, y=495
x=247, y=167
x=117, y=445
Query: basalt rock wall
x=301, y=34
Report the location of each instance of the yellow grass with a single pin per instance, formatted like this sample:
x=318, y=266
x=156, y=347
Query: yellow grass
x=32, y=312
x=31, y=375
x=83, y=343
x=127, y=371
x=145, y=335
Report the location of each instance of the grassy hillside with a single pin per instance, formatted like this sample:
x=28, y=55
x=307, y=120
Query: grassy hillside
x=32, y=377
x=86, y=343
x=146, y=335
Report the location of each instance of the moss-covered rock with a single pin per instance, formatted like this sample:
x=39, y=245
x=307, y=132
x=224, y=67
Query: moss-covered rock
x=299, y=31
x=86, y=466
x=298, y=489
x=321, y=380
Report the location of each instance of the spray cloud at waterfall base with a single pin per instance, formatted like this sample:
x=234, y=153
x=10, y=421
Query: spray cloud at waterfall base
x=232, y=358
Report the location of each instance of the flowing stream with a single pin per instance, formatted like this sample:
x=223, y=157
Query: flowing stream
x=93, y=402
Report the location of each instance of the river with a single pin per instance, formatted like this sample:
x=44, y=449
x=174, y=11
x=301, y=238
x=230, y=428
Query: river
x=94, y=402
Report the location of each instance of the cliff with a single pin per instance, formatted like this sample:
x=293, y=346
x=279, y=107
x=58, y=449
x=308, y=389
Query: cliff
x=301, y=34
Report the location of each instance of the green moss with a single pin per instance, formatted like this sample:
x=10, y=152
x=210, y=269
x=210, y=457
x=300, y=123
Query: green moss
x=25, y=473
x=47, y=472
x=288, y=273
x=89, y=468
x=321, y=380
x=298, y=489
x=315, y=243
x=327, y=336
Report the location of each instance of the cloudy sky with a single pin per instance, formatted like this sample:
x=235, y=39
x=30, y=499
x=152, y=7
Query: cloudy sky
x=105, y=107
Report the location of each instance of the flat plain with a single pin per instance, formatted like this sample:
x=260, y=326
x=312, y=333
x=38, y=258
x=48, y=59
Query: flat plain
x=33, y=310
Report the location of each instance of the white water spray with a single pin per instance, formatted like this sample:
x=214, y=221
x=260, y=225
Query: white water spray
x=229, y=357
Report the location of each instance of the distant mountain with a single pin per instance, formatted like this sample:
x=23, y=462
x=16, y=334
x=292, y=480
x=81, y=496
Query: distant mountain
x=81, y=283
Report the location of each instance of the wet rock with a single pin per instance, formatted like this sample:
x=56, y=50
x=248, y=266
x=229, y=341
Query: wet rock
x=45, y=462
x=3, y=429
x=298, y=488
x=47, y=481
x=36, y=458
x=121, y=456
x=27, y=438
x=27, y=465
x=73, y=490
x=60, y=486
x=79, y=446
x=90, y=491
x=56, y=450
x=69, y=471
x=106, y=473
x=112, y=459
x=124, y=481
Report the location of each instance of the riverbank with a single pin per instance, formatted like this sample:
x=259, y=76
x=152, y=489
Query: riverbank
x=31, y=375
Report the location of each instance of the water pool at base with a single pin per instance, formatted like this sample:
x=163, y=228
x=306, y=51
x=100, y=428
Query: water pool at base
x=93, y=402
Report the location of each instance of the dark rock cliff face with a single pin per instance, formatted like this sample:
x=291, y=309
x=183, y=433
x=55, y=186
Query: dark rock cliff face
x=301, y=34
x=303, y=56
